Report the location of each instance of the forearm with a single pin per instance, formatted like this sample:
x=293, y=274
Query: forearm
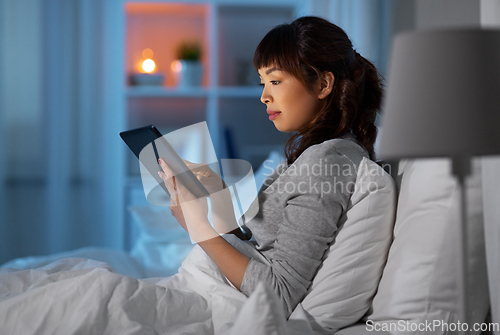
x=223, y=213
x=230, y=261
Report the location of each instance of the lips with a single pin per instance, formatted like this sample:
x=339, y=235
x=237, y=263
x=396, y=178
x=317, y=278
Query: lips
x=273, y=114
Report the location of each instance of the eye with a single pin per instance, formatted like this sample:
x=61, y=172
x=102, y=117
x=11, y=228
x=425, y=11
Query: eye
x=275, y=82
x=262, y=84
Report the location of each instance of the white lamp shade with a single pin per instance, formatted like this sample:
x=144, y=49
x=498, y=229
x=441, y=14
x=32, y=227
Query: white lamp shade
x=443, y=95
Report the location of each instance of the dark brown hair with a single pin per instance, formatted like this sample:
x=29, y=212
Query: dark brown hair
x=308, y=47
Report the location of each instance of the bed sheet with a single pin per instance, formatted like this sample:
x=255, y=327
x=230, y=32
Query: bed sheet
x=79, y=296
x=82, y=296
x=120, y=261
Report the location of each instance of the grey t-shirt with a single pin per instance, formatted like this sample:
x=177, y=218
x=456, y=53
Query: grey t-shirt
x=299, y=208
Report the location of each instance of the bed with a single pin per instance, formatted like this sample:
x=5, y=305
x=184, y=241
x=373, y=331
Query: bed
x=402, y=274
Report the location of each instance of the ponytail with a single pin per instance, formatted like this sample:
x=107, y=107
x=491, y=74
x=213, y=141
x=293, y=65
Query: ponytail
x=359, y=101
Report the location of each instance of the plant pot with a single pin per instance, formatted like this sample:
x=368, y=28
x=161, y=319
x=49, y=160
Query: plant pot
x=190, y=74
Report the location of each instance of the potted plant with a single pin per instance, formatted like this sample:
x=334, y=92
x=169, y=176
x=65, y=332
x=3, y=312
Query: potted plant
x=190, y=69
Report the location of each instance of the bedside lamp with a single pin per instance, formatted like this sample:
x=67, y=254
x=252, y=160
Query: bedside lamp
x=443, y=100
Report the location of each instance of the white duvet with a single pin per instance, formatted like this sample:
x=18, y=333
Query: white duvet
x=81, y=296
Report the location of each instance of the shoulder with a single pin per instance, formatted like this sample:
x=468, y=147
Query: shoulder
x=343, y=150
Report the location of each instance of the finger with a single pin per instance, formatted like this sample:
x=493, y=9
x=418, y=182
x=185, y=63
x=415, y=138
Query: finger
x=164, y=166
x=195, y=167
x=173, y=203
x=175, y=208
x=168, y=183
x=188, y=163
x=165, y=178
x=167, y=175
x=181, y=193
x=170, y=176
x=171, y=182
x=174, y=183
x=175, y=194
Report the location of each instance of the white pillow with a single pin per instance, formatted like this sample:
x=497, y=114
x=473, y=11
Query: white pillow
x=419, y=280
x=342, y=291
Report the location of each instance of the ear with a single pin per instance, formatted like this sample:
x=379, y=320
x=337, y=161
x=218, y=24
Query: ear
x=326, y=84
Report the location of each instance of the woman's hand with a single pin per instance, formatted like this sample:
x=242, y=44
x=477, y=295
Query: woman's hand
x=207, y=177
x=175, y=209
x=220, y=198
x=191, y=212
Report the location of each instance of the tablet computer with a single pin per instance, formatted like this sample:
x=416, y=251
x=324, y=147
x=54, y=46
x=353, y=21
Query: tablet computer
x=148, y=145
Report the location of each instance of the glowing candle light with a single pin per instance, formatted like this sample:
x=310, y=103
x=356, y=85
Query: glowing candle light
x=148, y=65
x=146, y=72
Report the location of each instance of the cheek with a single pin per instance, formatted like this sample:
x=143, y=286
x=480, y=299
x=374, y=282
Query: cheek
x=299, y=113
x=299, y=107
x=305, y=105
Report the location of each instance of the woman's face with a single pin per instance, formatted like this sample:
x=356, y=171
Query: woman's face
x=290, y=104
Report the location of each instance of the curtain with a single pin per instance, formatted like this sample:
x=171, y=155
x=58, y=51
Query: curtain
x=368, y=23
x=61, y=180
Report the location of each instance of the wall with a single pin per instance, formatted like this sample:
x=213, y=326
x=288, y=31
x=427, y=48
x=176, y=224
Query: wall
x=403, y=16
x=447, y=13
x=490, y=13
x=368, y=23
x=490, y=18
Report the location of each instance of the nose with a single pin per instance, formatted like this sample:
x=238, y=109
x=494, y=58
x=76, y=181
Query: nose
x=265, y=98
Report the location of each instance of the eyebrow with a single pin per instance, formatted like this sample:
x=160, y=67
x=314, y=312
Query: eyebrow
x=273, y=69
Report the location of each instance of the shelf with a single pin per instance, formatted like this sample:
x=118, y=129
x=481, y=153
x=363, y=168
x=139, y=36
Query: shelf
x=229, y=97
x=239, y=91
x=195, y=92
x=166, y=92
x=162, y=26
x=240, y=28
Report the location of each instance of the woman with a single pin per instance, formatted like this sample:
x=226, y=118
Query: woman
x=327, y=95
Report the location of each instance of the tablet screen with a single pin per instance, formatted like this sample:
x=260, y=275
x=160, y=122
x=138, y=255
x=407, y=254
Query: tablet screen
x=148, y=145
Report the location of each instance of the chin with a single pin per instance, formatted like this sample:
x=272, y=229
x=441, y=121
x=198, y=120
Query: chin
x=285, y=129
